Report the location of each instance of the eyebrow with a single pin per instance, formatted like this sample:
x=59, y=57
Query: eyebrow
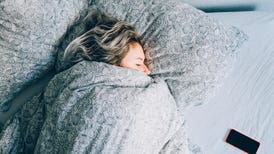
x=140, y=58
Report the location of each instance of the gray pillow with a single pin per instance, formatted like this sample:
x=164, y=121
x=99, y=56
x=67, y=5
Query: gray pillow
x=189, y=49
x=29, y=31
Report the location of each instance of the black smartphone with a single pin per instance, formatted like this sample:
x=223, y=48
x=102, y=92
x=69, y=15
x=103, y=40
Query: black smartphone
x=242, y=141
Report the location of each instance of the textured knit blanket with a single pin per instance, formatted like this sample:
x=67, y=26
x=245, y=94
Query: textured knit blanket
x=100, y=108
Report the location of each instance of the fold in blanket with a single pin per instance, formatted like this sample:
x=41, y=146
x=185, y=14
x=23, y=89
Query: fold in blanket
x=95, y=108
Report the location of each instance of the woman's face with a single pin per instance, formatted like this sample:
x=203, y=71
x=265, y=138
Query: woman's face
x=135, y=58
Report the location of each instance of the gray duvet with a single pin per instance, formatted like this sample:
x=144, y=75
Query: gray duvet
x=100, y=108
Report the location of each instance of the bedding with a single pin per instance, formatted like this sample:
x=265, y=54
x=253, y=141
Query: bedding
x=89, y=96
x=223, y=5
x=245, y=102
x=190, y=50
x=20, y=133
x=109, y=109
x=211, y=3
x=198, y=48
x=29, y=31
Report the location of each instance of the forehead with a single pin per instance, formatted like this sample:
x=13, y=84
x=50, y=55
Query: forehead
x=135, y=50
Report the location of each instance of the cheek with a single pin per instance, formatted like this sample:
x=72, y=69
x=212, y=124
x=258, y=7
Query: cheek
x=127, y=64
x=131, y=66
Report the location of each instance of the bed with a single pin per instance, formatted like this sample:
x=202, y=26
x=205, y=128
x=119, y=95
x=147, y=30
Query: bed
x=238, y=93
x=245, y=101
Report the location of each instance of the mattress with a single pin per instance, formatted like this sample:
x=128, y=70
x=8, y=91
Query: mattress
x=223, y=5
x=245, y=101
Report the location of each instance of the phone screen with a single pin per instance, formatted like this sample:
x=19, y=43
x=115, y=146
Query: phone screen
x=242, y=142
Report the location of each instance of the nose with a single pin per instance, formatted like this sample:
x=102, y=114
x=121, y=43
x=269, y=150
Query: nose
x=145, y=70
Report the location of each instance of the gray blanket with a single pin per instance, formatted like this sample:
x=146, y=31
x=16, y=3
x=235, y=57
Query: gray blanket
x=100, y=108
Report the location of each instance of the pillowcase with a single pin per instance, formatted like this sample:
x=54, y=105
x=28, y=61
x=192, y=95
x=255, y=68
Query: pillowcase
x=29, y=31
x=189, y=49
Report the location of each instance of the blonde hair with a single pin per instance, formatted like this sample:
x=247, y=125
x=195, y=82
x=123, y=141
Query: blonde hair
x=106, y=40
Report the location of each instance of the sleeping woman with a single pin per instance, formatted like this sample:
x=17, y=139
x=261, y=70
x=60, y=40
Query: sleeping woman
x=98, y=106
x=111, y=41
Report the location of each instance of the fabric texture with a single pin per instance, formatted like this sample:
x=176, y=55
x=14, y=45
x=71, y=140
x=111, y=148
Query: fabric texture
x=95, y=107
x=191, y=51
x=100, y=108
x=20, y=133
x=29, y=31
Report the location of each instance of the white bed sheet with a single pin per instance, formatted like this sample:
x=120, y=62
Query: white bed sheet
x=246, y=100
